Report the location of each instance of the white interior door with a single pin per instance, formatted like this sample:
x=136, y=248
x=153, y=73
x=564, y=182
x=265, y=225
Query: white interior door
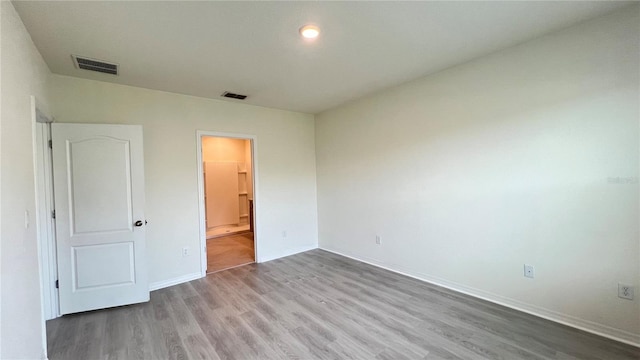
x=99, y=195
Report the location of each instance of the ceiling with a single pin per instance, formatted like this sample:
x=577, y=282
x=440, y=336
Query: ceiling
x=205, y=48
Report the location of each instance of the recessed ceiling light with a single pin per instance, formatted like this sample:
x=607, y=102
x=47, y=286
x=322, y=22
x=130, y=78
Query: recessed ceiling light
x=309, y=31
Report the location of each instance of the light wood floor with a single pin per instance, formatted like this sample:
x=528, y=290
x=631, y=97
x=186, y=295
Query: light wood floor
x=317, y=305
x=229, y=251
x=226, y=230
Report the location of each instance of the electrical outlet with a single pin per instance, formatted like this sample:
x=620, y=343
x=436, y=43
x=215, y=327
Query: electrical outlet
x=185, y=251
x=378, y=240
x=625, y=291
x=529, y=271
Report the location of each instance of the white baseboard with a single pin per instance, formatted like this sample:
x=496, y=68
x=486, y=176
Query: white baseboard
x=175, y=281
x=288, y=252
x=572, y=321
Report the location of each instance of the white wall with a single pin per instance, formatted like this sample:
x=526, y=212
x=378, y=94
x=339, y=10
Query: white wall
x=513, y=158
x=24, y=74
x=285, y=161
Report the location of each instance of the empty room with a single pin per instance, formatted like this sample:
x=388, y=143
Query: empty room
x=320, y=180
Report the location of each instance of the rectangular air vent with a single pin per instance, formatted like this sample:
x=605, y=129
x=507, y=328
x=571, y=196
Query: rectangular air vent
x=95, y=65
x=234, y=96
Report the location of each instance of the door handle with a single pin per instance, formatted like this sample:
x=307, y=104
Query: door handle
x=138, y=223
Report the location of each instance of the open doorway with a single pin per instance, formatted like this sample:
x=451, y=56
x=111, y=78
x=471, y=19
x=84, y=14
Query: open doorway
x=228, y=191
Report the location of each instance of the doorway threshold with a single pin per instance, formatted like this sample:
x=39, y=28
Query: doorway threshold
x=226, y=230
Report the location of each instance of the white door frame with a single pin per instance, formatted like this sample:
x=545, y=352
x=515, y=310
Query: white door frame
x=45, y=226
x=201, y=206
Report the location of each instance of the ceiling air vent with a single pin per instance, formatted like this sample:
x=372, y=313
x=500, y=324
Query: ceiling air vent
x=233, y=96
x=95, y=65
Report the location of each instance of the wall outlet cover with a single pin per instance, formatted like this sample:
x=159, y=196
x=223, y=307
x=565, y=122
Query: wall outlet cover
x=529, y=271
x=625, y=291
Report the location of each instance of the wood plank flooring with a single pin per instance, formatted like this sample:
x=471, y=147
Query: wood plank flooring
x=317, y=305
x=229, y=251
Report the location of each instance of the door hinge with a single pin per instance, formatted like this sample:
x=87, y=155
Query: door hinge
x=53, y=214
x=57, y=284
x=50, y=144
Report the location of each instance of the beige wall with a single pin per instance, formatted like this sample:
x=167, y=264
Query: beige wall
x=223, y=149
x=23, y=74
x=249, y=164
x=285, y=164
x=529, y=155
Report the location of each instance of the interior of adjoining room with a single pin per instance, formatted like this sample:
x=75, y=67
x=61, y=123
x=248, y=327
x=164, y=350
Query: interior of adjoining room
x=228, y=197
